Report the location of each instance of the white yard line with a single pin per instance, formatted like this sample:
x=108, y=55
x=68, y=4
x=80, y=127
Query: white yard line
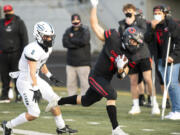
x=5, y=112
x=148, y=130
x=175, y=133
x=93, y=123
x=70, y=120
x=27, y=132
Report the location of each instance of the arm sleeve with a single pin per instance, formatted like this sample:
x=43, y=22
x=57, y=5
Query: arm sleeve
x=83, y=39
x=23, y=34
x=66, y=41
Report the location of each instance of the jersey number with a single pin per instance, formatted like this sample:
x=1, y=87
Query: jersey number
x=32, y=52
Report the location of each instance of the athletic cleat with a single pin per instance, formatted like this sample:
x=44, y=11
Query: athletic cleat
x=51, y=105
x=118, y=131
x=6, y=131
x=135, y=110
x=169, y=115
x=155, y=110
x=66, y=129
x=4, y=99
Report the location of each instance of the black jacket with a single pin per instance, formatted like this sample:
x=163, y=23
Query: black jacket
x=78, y=46
x=13, y=35
x=140, y=23
x=159, y=36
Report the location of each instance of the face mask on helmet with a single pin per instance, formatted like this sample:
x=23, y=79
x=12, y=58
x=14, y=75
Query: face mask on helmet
x=131, y=46
x=48, y=41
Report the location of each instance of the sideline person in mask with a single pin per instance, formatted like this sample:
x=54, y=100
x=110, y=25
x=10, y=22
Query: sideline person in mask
x=162, y=27
x=13, y=38
x=143, y=67
x=77, y=41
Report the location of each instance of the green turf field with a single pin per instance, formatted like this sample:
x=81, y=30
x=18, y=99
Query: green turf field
x=83, y=118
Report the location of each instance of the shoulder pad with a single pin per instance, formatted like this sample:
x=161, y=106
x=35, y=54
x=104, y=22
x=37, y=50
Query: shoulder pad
x=31, y=51
x=108, y=33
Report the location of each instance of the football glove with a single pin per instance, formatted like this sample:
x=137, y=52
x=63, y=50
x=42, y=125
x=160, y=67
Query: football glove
x=37, y=94
x=55, y=81
x=121, y=61
x=94, y=3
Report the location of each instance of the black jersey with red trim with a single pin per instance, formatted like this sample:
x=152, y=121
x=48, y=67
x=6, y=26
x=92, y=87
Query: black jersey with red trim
x=105, y=64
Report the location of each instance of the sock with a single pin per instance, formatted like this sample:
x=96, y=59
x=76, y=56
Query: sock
x=153, y=100
x=136, y=102
x=68, y=100
x=59, y=121
x=17, y=121
x=111, y=110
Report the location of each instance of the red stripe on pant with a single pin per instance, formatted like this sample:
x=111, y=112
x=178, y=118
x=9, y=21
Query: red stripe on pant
x=99, y=86
x=96, y=88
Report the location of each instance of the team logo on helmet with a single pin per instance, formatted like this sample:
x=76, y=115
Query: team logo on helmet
x=132, y=30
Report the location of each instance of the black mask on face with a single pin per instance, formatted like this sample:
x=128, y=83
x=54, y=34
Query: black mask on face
x=8, y=16
x=128, y=15
x=48, y=43
x=76, y=25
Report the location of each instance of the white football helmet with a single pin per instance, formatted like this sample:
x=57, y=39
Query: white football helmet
x=42, y=29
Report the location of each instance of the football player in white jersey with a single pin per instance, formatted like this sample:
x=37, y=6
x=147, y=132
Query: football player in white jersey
x=31, y=87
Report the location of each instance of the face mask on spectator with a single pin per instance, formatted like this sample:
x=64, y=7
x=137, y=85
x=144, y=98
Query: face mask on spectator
x=158, y=17
x=8, y=16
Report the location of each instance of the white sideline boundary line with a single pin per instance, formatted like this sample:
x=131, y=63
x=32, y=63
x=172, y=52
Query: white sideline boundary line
x=27, y=132
x=175, y=133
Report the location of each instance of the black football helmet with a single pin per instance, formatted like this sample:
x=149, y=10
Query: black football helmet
x=133, y=33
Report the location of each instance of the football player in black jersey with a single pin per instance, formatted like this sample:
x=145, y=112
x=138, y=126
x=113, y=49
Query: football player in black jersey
x=109, y=62
x=113, y=59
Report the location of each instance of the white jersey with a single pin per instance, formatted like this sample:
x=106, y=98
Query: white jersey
x=32, y=51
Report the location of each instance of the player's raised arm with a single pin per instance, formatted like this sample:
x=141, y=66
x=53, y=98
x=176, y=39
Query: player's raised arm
x=99, y=31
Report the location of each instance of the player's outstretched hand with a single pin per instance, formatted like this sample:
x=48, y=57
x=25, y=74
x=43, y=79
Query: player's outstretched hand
x=94, y=3
x=121, y=61
x=37, y=94
x=55, y=81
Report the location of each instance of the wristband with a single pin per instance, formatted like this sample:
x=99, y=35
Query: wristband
x=48, y=74
x=35, y=88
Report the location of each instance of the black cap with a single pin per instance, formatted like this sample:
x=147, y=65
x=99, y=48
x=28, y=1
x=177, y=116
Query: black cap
x=75, y=16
